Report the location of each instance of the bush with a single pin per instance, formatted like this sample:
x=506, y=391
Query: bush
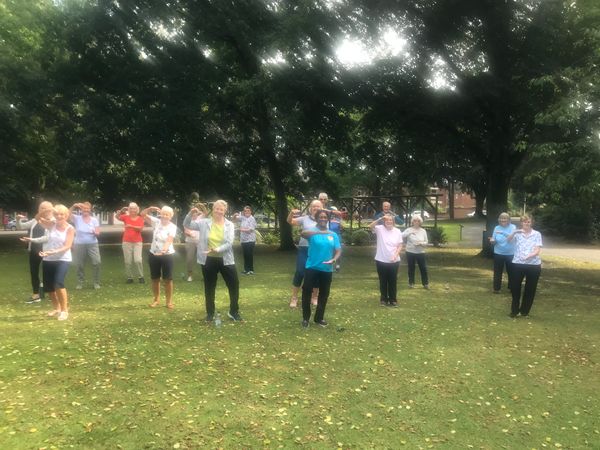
x=361, y=237
x=270, y=237
x=437, y=236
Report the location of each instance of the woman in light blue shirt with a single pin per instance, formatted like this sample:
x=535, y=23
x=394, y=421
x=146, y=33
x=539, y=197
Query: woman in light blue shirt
x=504, y=250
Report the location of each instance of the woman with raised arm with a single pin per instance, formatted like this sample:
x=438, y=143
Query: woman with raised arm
x=324, y=250
x=215, y=255
x=247, y=238
x=191, y=245
x=56, y=254
x=416, y=241
x=387, y=258
x=132, y=241
x=36, y=230
x=305, y=222
x=87, y=230
x=161, y=254
x=504, y=250
x=527, y=265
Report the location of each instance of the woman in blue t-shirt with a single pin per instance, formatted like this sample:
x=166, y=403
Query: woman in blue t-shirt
x=504, y=250
x=324, y=249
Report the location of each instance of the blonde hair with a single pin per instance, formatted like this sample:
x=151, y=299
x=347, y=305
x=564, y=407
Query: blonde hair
x=223, y=203
x=62, y=209
x=525, y=217
x=87, y=204
x=134, y=205
x=504, y=215
x=167, y=210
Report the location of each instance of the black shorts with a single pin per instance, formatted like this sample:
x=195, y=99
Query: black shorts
x=161, y=265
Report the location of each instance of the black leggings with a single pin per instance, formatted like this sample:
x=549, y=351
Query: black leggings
x=531, y=274
x=419, y=258
x=34, y=269
x=210, y=270
x=388, y=279
x=248, y=251
x=315, y=279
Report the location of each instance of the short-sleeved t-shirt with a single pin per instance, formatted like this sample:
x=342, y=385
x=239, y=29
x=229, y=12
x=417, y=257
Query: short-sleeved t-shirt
x=306, y=223
x=503, y=246
x=85, y=232
x=160, y=236
x=524, y=245
x=388, y=242
x=322, y=247
x=130, y=234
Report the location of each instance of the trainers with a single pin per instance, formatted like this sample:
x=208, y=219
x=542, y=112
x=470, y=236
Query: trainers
x=513, y=315
x=209, y=318
x=425, y=286
x=382, y=303
x=244, y=272
x=235, y=316
x=322, y=323
x=411, y=286
x=33, y=300
x=393, y=304
x=129, y=281
x=250, y=272
x=337, y=268
x=189, y=278
x=64, y=315
x=305, y=324
x=96, y=286
x=79, y=286
x=141, y=280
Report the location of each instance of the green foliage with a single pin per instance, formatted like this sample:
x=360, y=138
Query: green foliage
x=270, y=237
x=437, y=236
x=361, y=237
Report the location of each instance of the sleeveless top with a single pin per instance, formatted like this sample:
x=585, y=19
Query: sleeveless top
x=57, y=239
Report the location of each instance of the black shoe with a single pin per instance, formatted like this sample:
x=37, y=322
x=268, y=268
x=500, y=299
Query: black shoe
x=129, y=280
x=322, y=323
x=393, y=304
x=305, y=324
x=209, y=318
x=235, y=317
x=32, y=300
x=141, y=280
x=512, y=315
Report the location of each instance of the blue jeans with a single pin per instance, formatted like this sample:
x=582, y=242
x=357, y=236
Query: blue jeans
x=301, y=258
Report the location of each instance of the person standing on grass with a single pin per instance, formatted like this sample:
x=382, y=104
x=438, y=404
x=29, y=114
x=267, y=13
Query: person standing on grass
x=387, y=258
x=324, y=249
x=416, y=241
x=56, y=255
x=247, y=238
x=87, y=230
x=191, y=245
x=36, y=230
x=215, y=255
x=132, y=241
x=504, y=250
x=305, y=222
x=161, y=254
x=527, y=265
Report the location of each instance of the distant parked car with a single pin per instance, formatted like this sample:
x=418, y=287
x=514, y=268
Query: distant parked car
x=424, y=214
x=12, y=225
x=472, y=213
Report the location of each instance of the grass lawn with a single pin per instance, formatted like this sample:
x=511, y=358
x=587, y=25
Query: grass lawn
x=448, y=368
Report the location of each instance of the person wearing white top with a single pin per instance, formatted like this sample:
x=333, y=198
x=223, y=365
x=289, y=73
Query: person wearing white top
x=87, y=230
x=56, y=254
x=247, y=238
x=387, y=258
x=160, y=259
x=36, y=230
x=415, y=238
x=527, y=265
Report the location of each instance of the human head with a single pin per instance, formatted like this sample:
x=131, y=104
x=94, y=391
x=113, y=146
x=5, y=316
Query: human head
x=386, y=207
x=247, y=211
x=388, y=221
x=133, y=208
x=166, y=212
x=323, y=198
x=503, y=219
x=219, y=208
x=86, y=208
x=314, y=206
x=45, y=209
x=416, y=220
x=526, y=220
x=61, y=213
x=322, y=217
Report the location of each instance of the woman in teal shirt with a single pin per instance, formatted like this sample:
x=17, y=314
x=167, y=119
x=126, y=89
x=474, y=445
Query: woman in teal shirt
x=504, y=250
x=324, y=250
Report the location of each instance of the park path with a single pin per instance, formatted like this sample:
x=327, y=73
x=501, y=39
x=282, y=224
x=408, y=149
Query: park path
x=472, y=234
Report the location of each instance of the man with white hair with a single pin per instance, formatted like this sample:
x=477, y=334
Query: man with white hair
x=132, y=241
x=386, y=208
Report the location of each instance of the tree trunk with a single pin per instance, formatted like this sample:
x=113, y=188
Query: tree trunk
x=451, y=200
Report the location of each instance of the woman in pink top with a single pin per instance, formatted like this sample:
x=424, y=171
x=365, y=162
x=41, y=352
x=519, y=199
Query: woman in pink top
x=387, y=259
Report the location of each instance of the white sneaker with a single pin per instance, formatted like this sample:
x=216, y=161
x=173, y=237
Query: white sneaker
x=64, y=315
x=189, y=278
